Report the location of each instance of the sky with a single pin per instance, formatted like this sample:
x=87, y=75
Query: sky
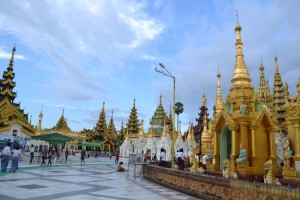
x=75, y=55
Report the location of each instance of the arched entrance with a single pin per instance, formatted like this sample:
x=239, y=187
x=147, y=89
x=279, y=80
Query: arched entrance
x=225, y=145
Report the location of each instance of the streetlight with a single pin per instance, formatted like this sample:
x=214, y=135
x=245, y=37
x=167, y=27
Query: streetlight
x=174, y=89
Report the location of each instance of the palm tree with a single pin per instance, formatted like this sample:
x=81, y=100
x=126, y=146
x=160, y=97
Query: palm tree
x=178, y=110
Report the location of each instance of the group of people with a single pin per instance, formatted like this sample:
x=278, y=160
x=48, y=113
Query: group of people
x=15, y=156
x=179, y=158
x=49, y=154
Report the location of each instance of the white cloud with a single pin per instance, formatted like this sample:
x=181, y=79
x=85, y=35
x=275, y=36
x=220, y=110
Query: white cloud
x=6, y=55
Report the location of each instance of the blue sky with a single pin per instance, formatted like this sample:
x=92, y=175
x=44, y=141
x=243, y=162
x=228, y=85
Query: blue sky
x=77, y=54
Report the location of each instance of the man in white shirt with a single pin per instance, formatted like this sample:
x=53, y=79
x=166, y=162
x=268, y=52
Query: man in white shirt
x=162, y=158
x=31, y=153
x=6, y=153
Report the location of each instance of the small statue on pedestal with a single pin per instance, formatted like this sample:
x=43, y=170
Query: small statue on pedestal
x=287, y=152
x=210, y=154
x=243, y=155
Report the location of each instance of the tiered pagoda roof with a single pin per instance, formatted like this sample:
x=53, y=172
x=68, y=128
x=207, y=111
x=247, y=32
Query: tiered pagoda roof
x=7, y=84
x=10, y=112
x=278, y=95
x=101, y=124
x=62, y=124
x=111, y=132
x=158, y=119
x=263, y=92
x=133, y=122
x=198, y=128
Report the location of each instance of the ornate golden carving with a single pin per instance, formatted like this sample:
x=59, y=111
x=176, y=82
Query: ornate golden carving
x=293, y=110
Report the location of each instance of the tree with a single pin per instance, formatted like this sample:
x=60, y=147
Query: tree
x=178, y=110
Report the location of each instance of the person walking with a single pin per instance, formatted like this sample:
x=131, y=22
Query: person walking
x=117, y=157
x=44, y=156
x=5, y=153
x=66, y=154
x=82, y=156
x=31, y=153
x=50, y=153
x=162, y=158
x=15, y=159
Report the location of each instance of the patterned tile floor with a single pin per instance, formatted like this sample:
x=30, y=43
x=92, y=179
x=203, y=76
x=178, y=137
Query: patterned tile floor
x=95, y=180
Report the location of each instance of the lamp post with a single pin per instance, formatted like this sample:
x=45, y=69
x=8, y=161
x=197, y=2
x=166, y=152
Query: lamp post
x=174, y=90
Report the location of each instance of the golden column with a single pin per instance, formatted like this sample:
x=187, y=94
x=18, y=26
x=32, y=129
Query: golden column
x=253, y=142
x=297, y=146
x=234, y=144
x=244, y=136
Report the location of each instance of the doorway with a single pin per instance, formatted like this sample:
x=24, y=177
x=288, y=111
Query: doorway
x=225, y=145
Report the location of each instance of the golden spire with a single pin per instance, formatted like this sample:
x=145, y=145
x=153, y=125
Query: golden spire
x=141, y=131
x=179, y=130
x=219, y=99
x=204, y=132
x=192, y=132
x=298, y=88
x=204, y=100
x=127, y=137
x=240, y=73
x=165, y=131
x=189, y=132
x=263, y=89
x=11, y=62
x=278, y=94
x=150, y=134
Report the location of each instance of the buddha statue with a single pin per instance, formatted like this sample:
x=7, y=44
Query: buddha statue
x=243, y=153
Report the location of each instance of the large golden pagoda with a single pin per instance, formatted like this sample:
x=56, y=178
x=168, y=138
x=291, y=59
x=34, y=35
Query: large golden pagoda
x=243, y=121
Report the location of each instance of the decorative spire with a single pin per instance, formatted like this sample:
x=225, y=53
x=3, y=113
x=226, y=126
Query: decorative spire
x=205, y=131
x=165, y=129
x=158, y=117
x=298, y=88
x=190, y=132
x=141, y=129
x=41, y=113
x=127, y=136
x=39, y=127
x=263, y=89
x=101, y=123
x=133, y=122
x=219, y=99
x=278, y=95
x=170, y=121
x=62, y=124
x=204, y=100
x=179, y=130
x=7, y=84
x=240, y=73
x=111, y=132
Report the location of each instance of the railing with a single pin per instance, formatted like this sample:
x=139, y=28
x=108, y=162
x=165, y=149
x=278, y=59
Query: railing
x=212, y=187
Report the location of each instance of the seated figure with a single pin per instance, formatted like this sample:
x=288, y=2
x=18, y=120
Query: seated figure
x=119, y=167
x=242, y=157
x=210, y=155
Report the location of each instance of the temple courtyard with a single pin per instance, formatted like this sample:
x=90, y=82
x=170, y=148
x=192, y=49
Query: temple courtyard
x=98, y=179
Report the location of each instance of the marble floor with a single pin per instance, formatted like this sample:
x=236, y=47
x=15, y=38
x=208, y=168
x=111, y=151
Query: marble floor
x=97, y=179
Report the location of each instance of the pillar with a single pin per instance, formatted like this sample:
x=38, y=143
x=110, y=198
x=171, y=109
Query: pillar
x=244, y=136
x=297, y=136
x=234, y=152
